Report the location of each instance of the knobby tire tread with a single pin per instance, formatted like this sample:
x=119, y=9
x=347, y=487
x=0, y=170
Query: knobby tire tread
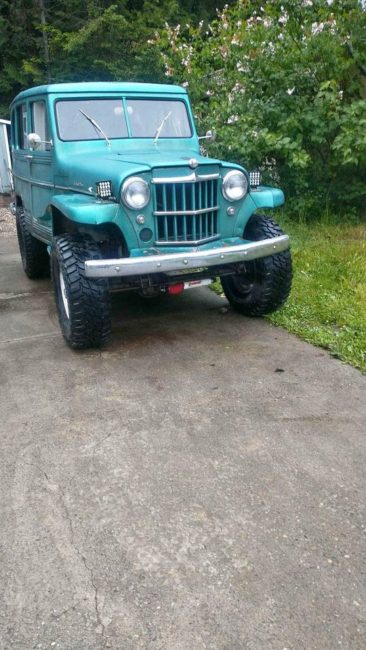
x=274, y=273
x=89, y=324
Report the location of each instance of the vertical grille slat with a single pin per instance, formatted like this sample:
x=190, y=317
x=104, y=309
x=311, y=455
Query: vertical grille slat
x=175, y=202
x=184, y=207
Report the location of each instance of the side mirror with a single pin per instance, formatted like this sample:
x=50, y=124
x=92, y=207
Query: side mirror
x=34, y=140
x=210, y=136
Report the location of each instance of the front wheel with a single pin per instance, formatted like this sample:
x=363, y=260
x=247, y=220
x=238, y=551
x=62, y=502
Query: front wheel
x=83, y=303
x=266, y=282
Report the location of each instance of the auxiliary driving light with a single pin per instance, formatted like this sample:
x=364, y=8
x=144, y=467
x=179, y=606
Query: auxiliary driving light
x=254, y=179
x=104, y=189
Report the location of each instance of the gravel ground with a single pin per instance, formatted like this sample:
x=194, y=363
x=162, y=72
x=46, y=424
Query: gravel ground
x=7, y=222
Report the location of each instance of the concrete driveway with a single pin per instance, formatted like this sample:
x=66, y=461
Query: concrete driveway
x=198, y=484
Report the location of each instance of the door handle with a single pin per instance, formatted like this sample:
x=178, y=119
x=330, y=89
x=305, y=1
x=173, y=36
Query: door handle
x=29, y=157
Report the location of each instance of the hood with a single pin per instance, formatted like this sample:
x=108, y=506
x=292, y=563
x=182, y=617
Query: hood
x=81, y=171
x=156, y=159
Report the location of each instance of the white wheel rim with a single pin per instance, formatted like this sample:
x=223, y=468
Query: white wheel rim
x=64, y=295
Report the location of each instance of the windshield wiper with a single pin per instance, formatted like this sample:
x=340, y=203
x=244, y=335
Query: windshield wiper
x=159, y=129
x=96, y=126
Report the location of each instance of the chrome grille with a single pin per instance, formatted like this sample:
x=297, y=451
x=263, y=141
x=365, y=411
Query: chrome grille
x=186, y=212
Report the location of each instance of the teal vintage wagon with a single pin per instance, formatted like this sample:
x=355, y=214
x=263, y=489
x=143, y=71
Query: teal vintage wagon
x=112, y=193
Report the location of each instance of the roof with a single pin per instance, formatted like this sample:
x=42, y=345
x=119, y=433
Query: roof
x=101, y=87
x=4, y=121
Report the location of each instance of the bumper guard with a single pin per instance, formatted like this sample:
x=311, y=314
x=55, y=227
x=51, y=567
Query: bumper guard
x=191, y=260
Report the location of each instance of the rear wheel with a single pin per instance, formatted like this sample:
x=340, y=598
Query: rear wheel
x=35, y=258
x=83, y=304
x=266, y=282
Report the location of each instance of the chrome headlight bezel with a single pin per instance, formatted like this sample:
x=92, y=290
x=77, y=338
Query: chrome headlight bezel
x=226, y=180
x=145, y=192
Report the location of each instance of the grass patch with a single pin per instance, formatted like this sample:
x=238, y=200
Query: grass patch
x=327, y=305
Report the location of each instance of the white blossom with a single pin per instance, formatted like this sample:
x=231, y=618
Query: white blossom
x=317, y=28
x=290, y=90
x=283, y=19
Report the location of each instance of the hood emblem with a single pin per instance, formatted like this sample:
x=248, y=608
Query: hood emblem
x=193, y=163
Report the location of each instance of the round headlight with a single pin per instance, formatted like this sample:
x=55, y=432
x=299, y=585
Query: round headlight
x=234, y=185
x=135, y=193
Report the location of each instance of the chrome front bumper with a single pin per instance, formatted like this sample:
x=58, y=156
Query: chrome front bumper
x=183, y=261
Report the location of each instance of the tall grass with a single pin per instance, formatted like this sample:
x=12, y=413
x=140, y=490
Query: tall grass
x=327, y=306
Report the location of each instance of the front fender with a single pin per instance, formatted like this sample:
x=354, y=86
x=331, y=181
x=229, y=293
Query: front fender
x=264, y=197
x=91, y=211
x=267, y=197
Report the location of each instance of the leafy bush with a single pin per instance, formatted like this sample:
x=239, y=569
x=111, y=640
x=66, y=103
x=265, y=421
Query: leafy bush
x=282, y=85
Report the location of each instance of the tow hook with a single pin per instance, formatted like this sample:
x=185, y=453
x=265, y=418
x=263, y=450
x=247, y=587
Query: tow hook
x=176, y=289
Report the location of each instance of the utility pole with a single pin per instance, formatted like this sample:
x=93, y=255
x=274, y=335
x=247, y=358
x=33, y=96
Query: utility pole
x=45, y=40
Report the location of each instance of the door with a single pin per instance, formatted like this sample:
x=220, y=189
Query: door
x=21, y=158
x=41, y=172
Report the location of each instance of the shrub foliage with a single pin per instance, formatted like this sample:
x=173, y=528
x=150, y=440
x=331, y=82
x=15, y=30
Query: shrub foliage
x=283, y=85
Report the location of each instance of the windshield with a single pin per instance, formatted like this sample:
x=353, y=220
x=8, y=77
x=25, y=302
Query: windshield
x=147, y=118
x=108, y=114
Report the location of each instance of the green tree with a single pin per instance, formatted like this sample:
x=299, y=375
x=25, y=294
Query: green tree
x=69, y=40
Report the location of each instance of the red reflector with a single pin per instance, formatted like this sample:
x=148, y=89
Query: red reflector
x=174, y=289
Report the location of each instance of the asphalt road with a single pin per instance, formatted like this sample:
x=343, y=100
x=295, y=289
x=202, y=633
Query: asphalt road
x=198, y=484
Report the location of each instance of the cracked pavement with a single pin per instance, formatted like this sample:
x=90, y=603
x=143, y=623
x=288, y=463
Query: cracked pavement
x=173, y=491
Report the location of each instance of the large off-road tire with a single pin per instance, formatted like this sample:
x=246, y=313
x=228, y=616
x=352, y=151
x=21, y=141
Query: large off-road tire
x=83, y=304
x=266, y=282
x=35, y=258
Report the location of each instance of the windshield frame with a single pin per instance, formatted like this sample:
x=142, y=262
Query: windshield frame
x=124, y=99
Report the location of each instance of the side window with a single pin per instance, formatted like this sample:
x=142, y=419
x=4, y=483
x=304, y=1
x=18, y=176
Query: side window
x=22, y=126
x=40, y=124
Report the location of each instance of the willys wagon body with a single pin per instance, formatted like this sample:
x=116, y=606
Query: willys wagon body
x=109, y=180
